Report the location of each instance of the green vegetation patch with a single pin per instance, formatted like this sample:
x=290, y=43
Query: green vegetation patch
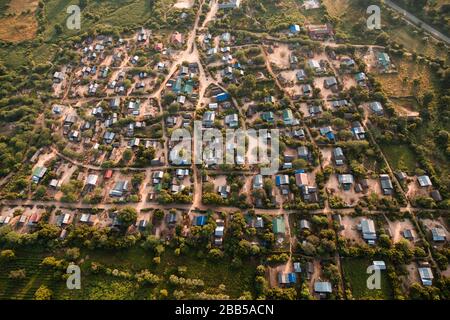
x=356, y=276
x=218, y=277
x=400, y=157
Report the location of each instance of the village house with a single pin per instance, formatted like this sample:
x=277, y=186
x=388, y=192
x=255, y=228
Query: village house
x=376, y=107
x=438, y=235
x=383, y=61
x=386, y=184
x=278, y=226
x=330, y=83
x=258, y=182
x=346, y=181
x=338, y=156
x=58, y=77
x=119, y=189
x=323, y=288
x=358, y=130
x=229, y=4
x=91, y=181
x=320, y=32
x=424, y=181
x=208, y=119
x=232, y=120
x=38, y=174
x=367, y=228
x=426, y=276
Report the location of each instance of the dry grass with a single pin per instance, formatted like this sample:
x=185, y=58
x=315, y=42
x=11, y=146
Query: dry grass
x=22, y=24
x=401, y=84
x=19, y=6
x=18, y=28
x=336, y=8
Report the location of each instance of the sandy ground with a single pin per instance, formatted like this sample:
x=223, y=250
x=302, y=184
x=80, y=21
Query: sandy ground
x=350, y=197
x=219, y=181
x=18, y=6
x=280, y=56
x=397, y=227
x=327, y=156
x=438, y=223
x=349, y=81
x=304, y=109
x=315, y=275
x=446, y=273
x=350, y=230
x=290, y=83
x=248, y=188
x=371, y=61
x=412, y=277
x=65, y=172
x=44, y=159
x=210, y=16
x=414, y=190
x=184, y=4
x=326, y=93
x=18, y=27
x=147, y=108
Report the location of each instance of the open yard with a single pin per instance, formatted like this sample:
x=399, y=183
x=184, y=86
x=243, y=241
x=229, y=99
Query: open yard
x=355, y=273
x=402, y=84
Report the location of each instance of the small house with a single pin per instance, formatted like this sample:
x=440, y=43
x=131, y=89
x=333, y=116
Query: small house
x=305, y=225
x=38, y=174
x=386, y=184
x=426, y=276
x=379, y=265
x=346, y=181
x=232, y=120
x=376, y=107
x=119, y=189
x=368, y=230
x=278, y=226
x=323, y=287
x=330, y=83
x=438, y=234
x=258, y=181
x=424, y=181
x=288, y=117
x=208, y=119
x=338, y=156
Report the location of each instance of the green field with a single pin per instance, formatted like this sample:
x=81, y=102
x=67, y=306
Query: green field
x=400, y=157
x=355, y=273
x=103, y=286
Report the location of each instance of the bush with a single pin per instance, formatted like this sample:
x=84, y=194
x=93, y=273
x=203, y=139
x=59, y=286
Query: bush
x=43, y=293
x=7, y=255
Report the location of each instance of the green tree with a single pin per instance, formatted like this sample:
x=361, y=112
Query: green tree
x=127, y=216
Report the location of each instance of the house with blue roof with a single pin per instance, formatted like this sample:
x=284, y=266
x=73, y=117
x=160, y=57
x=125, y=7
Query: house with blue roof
x=294, y=28
x=200, y=220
